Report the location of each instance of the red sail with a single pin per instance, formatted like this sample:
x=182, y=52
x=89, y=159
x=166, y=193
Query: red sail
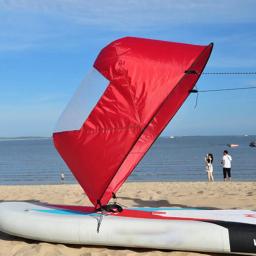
x=147, y=83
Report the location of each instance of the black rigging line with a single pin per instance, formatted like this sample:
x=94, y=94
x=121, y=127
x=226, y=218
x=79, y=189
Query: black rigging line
x=224, y=89
x=228, y=73
x=218, y=90
x=194, y=72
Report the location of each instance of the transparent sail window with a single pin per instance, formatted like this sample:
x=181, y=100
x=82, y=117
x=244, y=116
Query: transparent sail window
x=83, y=101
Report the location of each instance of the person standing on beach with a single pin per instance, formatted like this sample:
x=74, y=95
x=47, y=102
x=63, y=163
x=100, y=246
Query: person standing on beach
x=62, y=177
x=226, y=163
x=208, y=166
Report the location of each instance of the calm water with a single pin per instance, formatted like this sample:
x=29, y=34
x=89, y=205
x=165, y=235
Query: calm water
x=35, y=161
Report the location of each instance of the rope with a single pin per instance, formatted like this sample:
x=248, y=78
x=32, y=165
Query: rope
x=225, y=89
x=194, y=72
x=218, y=90
x=228, y=73
x=197, y=95
x=99, y=221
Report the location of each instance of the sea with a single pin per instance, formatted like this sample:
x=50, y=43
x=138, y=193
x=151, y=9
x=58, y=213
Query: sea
x=35, y=161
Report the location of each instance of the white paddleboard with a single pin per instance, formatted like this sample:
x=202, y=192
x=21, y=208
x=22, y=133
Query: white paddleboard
x=220, y=231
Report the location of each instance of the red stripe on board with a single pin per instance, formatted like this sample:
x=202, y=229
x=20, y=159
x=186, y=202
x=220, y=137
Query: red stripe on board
x=126, y=213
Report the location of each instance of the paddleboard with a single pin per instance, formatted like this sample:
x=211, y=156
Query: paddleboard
x=186, y=229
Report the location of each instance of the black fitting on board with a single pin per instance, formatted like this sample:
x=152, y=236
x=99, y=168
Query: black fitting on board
x=112, y=208
x=191, y=72
x=193, y=91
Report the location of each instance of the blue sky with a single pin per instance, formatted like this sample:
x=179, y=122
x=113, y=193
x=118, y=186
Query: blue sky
x=47, y=47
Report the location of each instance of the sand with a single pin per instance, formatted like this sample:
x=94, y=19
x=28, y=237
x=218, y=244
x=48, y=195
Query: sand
x=217, y=195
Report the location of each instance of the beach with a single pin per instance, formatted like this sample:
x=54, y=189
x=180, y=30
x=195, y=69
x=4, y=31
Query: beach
x=216, y=195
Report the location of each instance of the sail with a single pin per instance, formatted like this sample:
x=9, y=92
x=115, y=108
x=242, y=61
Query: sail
x=135, y=88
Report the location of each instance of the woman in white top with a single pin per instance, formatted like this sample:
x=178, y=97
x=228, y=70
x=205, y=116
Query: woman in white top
x=209, y=166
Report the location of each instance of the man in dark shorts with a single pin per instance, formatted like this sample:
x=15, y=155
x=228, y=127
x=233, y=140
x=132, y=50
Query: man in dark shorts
x=226, y=163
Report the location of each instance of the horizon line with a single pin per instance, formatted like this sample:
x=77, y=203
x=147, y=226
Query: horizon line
x=168, y=136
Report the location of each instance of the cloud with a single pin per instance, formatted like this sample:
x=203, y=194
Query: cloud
x=29, y=24
x=225, y=61
x=139, y=14
x=252, y=83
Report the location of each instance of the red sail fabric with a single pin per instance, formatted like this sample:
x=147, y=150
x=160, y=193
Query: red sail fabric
x=147, y=86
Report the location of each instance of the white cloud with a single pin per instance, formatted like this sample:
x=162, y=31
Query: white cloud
x=32, y=24
x=252, y=83
x=139, y=14
x=225, y=61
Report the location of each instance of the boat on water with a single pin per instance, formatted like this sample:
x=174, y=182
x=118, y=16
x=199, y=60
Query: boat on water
x=253, y=144
x=233, y=145
x=135, y=88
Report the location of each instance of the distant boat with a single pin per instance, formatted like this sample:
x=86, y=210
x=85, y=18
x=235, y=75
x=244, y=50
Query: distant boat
x=233, y=145
x=171, y=137
x=253, y=144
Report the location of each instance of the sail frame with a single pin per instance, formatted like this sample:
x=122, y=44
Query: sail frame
x=127, y=119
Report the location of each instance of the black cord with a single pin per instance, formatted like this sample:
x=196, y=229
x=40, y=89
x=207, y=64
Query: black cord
x=219, y=90
x=194, y=72
x=228, y=73
x=197, y=95
x=228, y=89
x=99, y=221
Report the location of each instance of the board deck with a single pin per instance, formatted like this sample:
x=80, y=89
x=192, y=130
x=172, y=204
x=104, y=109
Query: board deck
x=190, y=229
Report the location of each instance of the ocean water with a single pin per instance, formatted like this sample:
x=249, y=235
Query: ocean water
x=35, y=161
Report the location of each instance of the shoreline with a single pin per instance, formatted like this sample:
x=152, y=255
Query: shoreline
x=134, y=181
x=139, y=181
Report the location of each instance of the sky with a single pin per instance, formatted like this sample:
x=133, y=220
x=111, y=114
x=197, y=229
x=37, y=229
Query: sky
x=48, y=46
